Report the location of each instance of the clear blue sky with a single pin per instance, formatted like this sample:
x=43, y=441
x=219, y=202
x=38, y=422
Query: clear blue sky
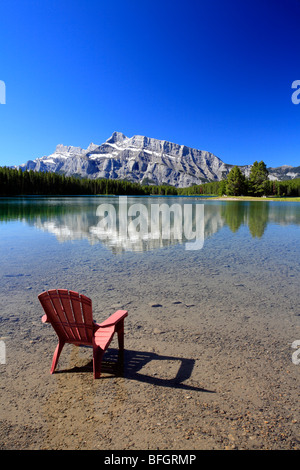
x=214, y=75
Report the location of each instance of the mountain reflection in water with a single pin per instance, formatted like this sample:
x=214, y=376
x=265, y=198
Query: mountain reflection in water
x=145, y=223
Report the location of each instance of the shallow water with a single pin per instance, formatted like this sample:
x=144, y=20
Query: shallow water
x=112, y=250
x=213, y=311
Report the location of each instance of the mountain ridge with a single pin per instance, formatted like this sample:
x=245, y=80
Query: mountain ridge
x=144, y=160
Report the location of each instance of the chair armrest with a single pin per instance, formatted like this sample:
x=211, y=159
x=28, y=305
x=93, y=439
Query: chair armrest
x=114, y=318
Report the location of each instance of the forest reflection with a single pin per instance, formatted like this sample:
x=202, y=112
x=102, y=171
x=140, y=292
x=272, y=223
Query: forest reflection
x=254, y=215
x=76, y=218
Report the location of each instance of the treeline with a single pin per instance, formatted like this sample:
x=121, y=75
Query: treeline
x=15, y=182
x=288, y=188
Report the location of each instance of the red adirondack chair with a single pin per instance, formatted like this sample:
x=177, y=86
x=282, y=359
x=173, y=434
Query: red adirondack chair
x=71, y=316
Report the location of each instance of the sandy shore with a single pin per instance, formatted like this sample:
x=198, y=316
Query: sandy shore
x=197, y=375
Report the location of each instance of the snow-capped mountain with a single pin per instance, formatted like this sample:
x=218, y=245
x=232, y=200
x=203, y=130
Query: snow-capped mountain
x=139, y=159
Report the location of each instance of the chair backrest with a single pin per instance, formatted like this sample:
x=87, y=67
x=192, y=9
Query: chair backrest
x=70, y=315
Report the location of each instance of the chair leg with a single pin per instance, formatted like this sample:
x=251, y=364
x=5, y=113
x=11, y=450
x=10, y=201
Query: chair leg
x=120, y=331
x=120, y=363
x=56, y=355
x=97, y=360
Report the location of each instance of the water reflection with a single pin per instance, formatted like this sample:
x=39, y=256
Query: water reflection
x=142, y=224
x=255, y=215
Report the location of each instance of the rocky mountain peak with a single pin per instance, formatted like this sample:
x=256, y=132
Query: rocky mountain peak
x=116, y=137
x=143, y=160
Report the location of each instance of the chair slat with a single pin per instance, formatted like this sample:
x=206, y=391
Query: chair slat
x=55, y=299
x=66, y=304
x=87, y=313
x=76, y=305
x=52, y=316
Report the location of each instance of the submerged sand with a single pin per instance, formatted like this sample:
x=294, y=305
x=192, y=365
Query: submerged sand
x=208, y=359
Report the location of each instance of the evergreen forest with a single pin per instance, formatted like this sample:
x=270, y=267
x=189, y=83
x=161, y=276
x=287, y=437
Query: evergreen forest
x=15, y=182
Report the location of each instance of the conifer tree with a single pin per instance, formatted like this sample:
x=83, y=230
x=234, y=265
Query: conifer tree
x=258, y=178
x=235, y=183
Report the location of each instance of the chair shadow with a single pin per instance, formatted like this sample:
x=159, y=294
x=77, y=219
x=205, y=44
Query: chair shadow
x=113, y=364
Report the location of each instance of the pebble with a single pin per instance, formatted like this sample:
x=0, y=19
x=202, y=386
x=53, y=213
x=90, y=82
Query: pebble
x=156, y=331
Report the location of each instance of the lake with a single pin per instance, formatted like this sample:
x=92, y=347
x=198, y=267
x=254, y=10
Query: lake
x=212, y=291
x=89, y=243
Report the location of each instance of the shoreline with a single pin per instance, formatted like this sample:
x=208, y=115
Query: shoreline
x=254, y=199
x=201, y=196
